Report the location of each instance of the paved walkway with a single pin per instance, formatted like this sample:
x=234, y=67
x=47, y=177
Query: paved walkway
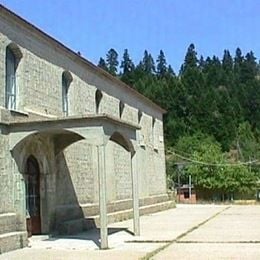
x=187, y=232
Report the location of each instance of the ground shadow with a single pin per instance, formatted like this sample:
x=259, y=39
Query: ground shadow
x=91, y=235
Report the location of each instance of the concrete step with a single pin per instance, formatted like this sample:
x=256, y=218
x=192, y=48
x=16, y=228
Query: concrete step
x=13, y=240
x=93, y=221
x=70, y=212
x=77, y=225
x=7, y=223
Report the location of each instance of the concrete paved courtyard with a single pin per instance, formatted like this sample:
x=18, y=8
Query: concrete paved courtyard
x=186, y=232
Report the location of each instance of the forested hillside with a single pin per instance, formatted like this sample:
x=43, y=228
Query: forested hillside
x=213, y=118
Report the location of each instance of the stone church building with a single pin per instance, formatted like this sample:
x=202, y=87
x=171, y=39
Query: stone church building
x=78, y=147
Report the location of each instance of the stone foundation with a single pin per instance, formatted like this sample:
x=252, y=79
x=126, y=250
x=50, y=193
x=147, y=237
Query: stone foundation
x=117, y=211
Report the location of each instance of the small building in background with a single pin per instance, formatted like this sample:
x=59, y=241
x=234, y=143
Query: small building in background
x=186, y=194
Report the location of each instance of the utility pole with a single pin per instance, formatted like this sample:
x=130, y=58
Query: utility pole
x=179, y=186
x=189, y=186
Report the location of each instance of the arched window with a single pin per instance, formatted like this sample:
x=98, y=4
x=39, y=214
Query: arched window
x=140, y=114
x=98, y=98
x=154, y=134
x=66, y=80
x=33, y=199
x=121, y=108
x=11, y=63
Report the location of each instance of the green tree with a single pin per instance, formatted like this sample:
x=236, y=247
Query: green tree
x=148, y=63
x=190, y=60
x=214, y=175
x=102, y=64
x=246, y=143
x=248, y=68
x=112, y=61
x=227, y=62
x=128, y=69
x=238, y=61
x=127, y=64
x=161, y=65
x=170, y=71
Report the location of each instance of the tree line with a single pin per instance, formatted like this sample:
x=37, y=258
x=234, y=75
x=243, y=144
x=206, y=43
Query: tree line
x=213, y=112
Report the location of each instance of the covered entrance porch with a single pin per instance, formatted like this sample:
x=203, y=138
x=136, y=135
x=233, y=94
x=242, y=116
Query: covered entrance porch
x=37, y=148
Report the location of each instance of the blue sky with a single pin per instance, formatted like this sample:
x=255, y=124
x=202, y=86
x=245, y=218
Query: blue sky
x=94, y=26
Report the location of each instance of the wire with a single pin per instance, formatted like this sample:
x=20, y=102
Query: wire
x=214, y=164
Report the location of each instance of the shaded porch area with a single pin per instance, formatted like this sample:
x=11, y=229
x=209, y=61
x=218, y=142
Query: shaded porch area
x=46, y=140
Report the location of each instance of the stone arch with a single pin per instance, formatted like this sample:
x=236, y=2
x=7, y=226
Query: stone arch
x=61, y=139
x=20, y=152
x=120, y=139
x=32, y=179
x=15, y=49
x=45, y=146
x=23, y=161
x=67, y=75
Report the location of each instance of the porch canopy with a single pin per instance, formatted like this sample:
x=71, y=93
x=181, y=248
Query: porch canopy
x=97, y=130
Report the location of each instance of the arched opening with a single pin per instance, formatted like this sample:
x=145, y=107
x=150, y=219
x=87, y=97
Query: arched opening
x=66, y=80
x=140, y=114
x=121, y=108
x=154, y=135
x=121, y=140
x=12, y=59
x=119, y=152
x=32, y=196
x=40, y=159
x=98, y=97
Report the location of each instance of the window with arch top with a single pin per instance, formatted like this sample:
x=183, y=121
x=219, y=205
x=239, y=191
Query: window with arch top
x=121, y=108
x=98, y=97
x=12, y=59
x=154, y=134
x=66, y=80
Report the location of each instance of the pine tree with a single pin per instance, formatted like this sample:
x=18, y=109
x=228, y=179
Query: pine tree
x=202, y=63
x=112, y=61
x=127, y=65
x=170, y=71
x=249, y=68
x=102, y=64
x=213, y=96
x=238, y=61
x=190, y=60
x=148, y=63
x=128, y=69
x=227, y=62
x=161, y=65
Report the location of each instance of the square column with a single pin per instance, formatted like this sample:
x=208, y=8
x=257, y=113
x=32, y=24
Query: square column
x=135, y=193
x=102, y=197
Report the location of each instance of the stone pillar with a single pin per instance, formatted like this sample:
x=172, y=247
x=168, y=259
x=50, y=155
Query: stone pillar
x=135, y=193
x=102, y=197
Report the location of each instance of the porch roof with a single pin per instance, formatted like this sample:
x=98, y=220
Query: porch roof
x=70, y=121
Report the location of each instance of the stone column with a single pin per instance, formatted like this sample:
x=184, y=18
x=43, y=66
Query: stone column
x=102, y=196
x=135, y=193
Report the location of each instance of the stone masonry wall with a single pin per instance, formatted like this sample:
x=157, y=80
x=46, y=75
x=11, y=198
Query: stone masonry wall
x=39, y=76
x=75, y=175
x=122, y=172
x=6, y=178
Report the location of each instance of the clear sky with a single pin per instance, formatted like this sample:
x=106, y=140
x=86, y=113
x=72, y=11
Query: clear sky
x=94, y=26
